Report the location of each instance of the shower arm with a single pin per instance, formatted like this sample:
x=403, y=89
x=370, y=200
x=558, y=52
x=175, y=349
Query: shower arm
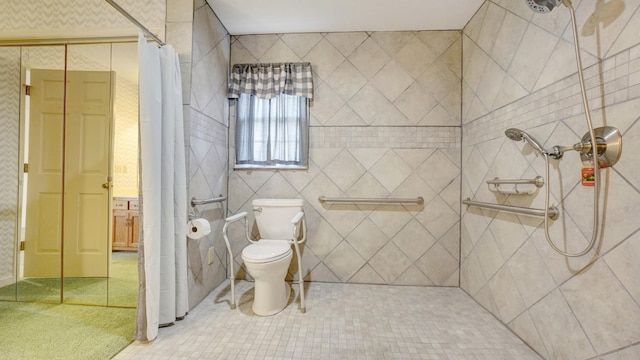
x=583, y=148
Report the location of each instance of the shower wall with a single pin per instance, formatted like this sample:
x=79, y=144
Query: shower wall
x=519, y=71
x=9, y=147
x=385, y=123
x=203, y=45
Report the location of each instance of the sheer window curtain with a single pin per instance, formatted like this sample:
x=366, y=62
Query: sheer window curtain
x=272, y=113
x=162, y=255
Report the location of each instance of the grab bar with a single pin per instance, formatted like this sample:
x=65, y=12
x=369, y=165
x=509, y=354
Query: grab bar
x=386, y=201
x=554, y=213
x=195, y=201
x=494, y=185
x=538, y=181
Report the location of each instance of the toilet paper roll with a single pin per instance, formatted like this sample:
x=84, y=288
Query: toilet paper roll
x=198, y=228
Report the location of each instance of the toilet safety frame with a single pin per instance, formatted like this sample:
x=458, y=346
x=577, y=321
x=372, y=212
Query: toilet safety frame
x=297, y=221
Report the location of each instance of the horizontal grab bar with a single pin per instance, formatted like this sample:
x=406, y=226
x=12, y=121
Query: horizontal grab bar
x=538, y=181
x=388, y=201
x=554, y=213
x=195, y=201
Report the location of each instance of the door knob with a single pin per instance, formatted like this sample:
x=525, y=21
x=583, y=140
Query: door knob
x=106, y=185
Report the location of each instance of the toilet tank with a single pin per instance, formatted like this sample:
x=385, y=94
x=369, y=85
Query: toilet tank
x=273, y=217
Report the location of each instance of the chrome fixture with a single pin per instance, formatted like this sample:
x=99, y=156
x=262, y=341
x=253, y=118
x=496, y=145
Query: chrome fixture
x=519, y=135
x=607, y=140
x=495, y=185
x=545, y=6
x=552, y=212
x=608, y=144
x=195, y=201
x=375, y=201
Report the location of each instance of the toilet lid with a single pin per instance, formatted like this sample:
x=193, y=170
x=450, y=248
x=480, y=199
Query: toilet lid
x=266, y=251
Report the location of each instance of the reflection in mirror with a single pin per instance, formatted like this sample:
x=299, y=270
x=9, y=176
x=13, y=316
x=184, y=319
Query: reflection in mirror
x=93, y=229
x=9, y=152
x=88, y=125
x=42, y=141
x=123, y=270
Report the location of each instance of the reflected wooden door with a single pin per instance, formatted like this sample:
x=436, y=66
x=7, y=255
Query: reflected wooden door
x=43, y=228
x=86, y=177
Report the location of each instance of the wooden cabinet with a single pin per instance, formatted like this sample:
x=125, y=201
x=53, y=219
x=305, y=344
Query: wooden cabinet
x=126, y=224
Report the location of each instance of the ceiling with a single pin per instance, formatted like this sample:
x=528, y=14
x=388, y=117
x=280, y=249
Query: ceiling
x=299, y=16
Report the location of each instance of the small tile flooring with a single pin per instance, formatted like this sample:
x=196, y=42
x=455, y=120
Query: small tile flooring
x=343, y=321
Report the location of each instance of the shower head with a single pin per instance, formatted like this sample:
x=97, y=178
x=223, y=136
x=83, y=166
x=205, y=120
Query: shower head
x=543, y=6
x=519, y=135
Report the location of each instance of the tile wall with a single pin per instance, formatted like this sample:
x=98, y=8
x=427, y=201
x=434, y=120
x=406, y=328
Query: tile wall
x=203, y=46
x=385, y=123
x=519, y=71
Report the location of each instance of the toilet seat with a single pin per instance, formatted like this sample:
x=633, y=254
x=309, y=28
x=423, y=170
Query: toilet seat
x=265, y=251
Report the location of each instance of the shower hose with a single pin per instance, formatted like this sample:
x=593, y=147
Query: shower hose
x=596, y=166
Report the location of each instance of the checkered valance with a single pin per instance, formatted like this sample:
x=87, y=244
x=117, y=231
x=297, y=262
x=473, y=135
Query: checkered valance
x=267, y=81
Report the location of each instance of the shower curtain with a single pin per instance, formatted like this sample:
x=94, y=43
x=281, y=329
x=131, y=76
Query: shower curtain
x=162, y=255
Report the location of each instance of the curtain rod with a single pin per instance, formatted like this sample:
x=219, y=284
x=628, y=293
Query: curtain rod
x=135, y=22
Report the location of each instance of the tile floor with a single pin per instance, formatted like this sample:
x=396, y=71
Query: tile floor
x=343, y=321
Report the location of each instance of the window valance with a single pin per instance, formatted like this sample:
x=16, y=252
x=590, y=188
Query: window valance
x=267, y=81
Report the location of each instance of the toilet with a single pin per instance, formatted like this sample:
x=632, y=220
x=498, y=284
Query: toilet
x=267, y=260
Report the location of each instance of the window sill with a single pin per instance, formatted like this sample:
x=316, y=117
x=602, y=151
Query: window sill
x=271, y=167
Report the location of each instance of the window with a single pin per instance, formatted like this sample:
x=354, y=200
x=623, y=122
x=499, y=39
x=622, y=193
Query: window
x=272, y=132
x=272, y=114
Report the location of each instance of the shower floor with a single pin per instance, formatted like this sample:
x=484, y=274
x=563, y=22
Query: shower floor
x=343, y=321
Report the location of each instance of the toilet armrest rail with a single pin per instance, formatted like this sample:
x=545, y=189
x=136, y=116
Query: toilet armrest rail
x=296, y=219
x=236, y=217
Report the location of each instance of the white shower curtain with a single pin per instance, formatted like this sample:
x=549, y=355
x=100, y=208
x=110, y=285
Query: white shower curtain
x=163, y=251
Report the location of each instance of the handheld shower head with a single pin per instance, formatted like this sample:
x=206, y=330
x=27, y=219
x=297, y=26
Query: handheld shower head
x=519, y=135
x=543, y=6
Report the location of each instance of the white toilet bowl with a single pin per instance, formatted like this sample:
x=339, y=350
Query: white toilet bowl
x=267, y=261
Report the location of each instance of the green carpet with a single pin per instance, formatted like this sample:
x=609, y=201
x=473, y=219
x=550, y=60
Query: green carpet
x=121, y=287
x=46, y=331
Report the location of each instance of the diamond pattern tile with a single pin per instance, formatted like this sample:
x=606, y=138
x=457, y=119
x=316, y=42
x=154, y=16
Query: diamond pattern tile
x=565, y=307
x=415, y=57
x=438, y=171
x=414, y=240
x=346, y=80
x=325, y=58
x=365, y=94
x=301, y=44
x=392, y=41
x=257, y=45
x=392, y=81
x=344, y=261
x=438, y=264
x=367, y=239
x=415, y=103
x=347, y=42
x=390, y=262
x=344, y=179
x=437, y=217
x=369, y=58
x=391, y=170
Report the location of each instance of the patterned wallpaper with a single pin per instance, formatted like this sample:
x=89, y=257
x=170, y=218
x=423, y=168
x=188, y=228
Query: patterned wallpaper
x=77, y=18
x=385, y=123
x=519, y=71
x=9, y=148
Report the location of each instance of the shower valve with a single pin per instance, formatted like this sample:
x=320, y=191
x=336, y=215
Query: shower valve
x=609, y=147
